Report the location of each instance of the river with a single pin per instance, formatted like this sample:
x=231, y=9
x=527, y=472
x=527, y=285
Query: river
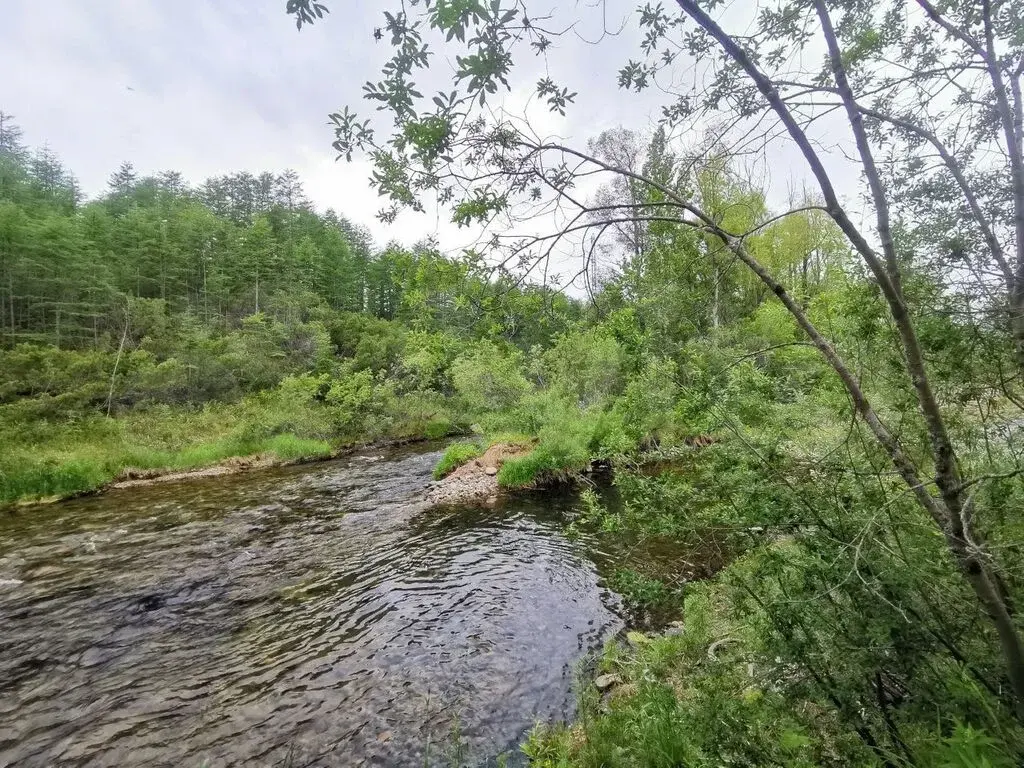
x=317, y=615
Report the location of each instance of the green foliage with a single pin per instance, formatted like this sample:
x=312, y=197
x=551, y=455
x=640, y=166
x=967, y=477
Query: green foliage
x=567, y=441
x=677, y=706
x=455, y=456
x=66, y=459
x=263, y=325
x=968, y=747
x=586, y=366
x=784, y=659
x=231, y=320
x=488, y=380
x=646, y=405
x=646, y=597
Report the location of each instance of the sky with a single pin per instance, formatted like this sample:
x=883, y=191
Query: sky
x=209, y=87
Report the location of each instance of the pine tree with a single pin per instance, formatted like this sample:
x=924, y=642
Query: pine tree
x=124, y=179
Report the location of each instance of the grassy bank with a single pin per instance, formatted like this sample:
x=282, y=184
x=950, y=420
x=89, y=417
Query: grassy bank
x=65, y=457
x=71, y=469
x=693, y=697
x=716, y=693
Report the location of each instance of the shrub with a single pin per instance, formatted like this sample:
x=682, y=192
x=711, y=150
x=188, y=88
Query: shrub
x=357, y=403
x=587, y=367
x=645, y=408
x=488, y=380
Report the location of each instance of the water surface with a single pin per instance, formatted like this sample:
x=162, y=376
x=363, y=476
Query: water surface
x=317, y=615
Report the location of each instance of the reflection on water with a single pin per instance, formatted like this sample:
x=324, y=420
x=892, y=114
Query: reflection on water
x=313, y=615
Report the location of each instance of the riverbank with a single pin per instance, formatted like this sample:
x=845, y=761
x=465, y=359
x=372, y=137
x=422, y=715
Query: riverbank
x=133, y=477
x=53, y=460
x=665, y=698
x=706, y=685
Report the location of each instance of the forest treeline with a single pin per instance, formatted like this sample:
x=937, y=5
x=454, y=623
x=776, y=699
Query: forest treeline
x=216, y=290
x=233, y=247
x=160, y=297
x=165, y=326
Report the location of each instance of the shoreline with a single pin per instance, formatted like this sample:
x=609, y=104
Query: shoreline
x=133, y=477
x=472, y=482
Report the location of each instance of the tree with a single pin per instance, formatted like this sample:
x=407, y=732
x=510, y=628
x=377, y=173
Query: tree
x=52, y=180
x=288, y=192
x=172, y=183
x=623, y=149
x=11, y=138
x=491, y=168
x=123, y=180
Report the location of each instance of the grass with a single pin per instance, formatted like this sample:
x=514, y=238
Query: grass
x=553, y=457
x=73, y=451
x=455, y=456
x=70, y=468
x=522, y=471
x=68, y=456
x=76, y=452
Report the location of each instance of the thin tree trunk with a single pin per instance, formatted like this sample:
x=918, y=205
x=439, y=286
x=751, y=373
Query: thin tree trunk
x=117, y=361
x=1011, y=122
x=10, y=298
x=805, y=296
x=715, y=306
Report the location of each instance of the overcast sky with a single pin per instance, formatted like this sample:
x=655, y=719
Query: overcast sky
x=210, y=87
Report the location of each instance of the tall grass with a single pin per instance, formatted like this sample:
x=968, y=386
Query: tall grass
x=73, y=469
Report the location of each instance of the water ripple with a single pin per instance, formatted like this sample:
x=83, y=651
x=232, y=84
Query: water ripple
x=306, y=616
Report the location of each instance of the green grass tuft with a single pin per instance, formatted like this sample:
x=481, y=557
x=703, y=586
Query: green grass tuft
x=455, y=456
x=555, y=457
x=521, y=472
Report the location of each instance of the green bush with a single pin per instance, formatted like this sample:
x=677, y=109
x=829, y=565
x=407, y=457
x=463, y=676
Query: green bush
x=437, y=428
x=587, y=367
x=488, y=379
x=645, y=408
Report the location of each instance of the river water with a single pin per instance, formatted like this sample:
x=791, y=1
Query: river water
x=307, y=616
